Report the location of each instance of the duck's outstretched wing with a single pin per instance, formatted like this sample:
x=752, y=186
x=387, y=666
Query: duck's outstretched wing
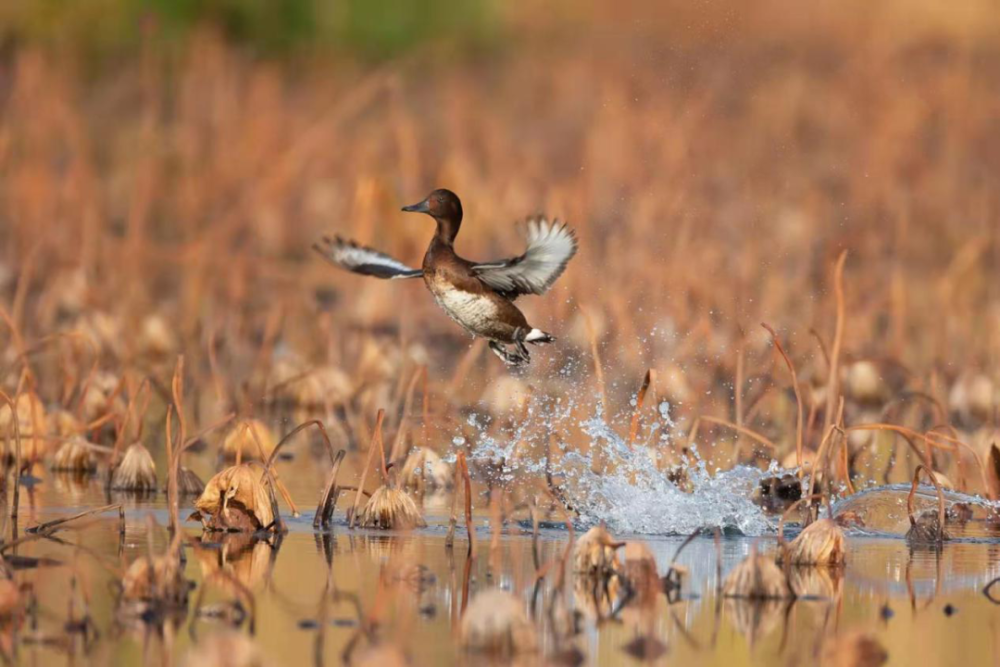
x=358, y=259
x=550, y=247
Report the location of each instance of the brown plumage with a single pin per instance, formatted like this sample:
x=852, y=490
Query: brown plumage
x=477, y=296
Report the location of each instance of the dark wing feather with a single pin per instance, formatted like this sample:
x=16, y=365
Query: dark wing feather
x=356, y=258
x=550, y=247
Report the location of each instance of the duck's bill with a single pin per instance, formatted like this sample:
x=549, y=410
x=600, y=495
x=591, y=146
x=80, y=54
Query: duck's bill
x=422, y=207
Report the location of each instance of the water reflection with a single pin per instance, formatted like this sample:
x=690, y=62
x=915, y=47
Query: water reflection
x=339, y=596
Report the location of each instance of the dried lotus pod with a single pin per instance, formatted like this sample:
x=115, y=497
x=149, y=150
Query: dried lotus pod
x=64, y=424
x=156, y=339
x=424, y=468
x=74, y=455
x=136, y=471
x=33, y=423
x=926, y=527
x=758, y=578
x=595, y=552
x=496, y=622
x=390, y=508
x=236, y=499
x=820, y=543
x=863, y=382
x=188, y=482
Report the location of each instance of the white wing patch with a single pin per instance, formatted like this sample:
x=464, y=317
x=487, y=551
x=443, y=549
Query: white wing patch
x=357, y=258
x=550, y=247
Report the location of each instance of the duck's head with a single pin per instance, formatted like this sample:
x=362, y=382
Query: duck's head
x=445, y=207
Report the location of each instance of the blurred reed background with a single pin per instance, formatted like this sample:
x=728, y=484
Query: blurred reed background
x=165, y=167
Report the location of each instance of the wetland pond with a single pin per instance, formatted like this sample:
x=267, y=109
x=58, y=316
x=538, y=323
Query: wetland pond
x=408, y=589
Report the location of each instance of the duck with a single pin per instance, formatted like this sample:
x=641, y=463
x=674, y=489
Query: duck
x=478, y=296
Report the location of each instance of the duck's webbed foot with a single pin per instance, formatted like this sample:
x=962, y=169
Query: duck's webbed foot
x=517, y=357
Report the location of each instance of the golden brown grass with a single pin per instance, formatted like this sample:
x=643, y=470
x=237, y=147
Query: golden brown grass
x=712, y=188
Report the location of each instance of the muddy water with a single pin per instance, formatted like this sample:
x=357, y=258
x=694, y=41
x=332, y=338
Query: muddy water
x=926, y=607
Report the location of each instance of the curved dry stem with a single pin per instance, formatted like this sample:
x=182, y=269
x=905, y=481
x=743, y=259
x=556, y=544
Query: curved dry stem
x=278, y=522
x=288, y=436
x=633, y=429
x=202, y=433
x=753, y=435
x=908, y=433
x=833, y=379
x=120, y=437
x=328, y=501
x=798, y=396
x=271, y=474
x=376, y=436
x=396, y=453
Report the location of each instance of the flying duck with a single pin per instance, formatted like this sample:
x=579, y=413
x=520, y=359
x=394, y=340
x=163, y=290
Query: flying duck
x=478, y=296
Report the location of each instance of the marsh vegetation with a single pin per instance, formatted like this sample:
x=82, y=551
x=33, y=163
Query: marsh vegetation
x=769, y=429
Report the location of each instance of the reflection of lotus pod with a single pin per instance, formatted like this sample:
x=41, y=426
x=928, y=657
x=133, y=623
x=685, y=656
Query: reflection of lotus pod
x=245, y=557
x=10, y=599
x=756, y=577
x=390, y=508
x=639, y=570
x=425, y=466
x=227, y=648
x=495, y=622
x=241, y=438
x=820, y=543
x=594, y=596
x=754, y=619
x=380, y=655
x=160, y=578
x=817, y=582
x=594, y=553
x=136, y=472
x=414, y=576
x=74, y=456
x=854, y=649
x=235, y=499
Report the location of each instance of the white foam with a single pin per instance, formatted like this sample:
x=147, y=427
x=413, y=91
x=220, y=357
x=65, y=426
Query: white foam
x=634, y=495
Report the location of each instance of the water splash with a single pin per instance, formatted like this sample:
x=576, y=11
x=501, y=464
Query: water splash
x=629, y=489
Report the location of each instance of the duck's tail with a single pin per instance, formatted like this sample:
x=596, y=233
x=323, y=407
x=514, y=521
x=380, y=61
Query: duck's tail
x=539, y=337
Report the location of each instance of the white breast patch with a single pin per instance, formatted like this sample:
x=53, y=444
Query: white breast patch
x=474, y=312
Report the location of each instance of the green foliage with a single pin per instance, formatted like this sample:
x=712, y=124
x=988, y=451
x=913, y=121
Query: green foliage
x=373, y=29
